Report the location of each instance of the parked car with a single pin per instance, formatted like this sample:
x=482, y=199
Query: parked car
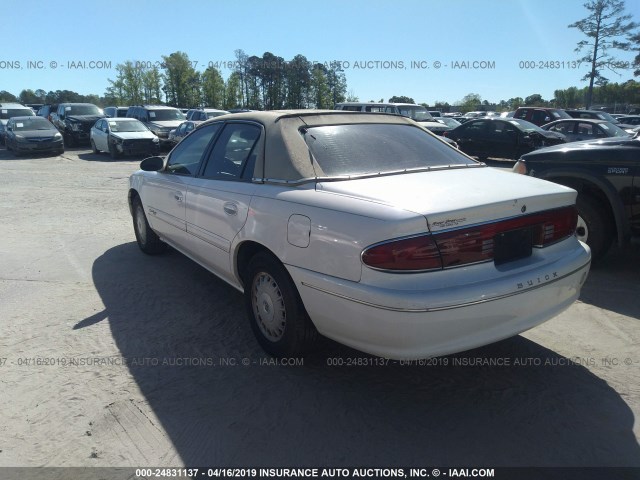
x=364, y=228
x=74, y=121
x=47, y=110
x=585, y=129
x=415, y=112
x=116, y=112
x=501, y=137
x=159, y=119
x=202, y=114
x=435, y=113
x=540, y=115
x=599, y=115
x=123, y=136
x=32, y=134
x=633, y=120
x=182, y=131
x=605, y=174
x=8, y=111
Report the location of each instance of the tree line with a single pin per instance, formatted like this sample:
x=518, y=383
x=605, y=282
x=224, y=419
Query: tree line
x=268, y=82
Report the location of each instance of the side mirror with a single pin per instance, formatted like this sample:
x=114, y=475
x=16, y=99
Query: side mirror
x=152, y=164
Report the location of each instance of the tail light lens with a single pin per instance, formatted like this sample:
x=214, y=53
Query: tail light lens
x=520, y=167
x=468, y=245
x=416, y=253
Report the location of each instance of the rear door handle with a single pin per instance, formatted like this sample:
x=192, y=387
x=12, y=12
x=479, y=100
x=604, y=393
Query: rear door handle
x=178, y=196
x=230, y=208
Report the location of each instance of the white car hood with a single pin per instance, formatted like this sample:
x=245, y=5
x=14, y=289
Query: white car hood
x=459, y=196
x=133, y=135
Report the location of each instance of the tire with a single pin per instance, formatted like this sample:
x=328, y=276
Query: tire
x=93, y=147
x=147, y=239
x=276, y=313
x=594, y=226
x=69, y=141
x=113, y=152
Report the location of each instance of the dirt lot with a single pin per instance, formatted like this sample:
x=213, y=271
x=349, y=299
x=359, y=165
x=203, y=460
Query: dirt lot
x=113, y=358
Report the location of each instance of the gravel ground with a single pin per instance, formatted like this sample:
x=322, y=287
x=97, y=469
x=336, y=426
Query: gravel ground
x=109, y=357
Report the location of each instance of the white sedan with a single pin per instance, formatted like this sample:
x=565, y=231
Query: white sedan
x=123, y=136
x=364, y=228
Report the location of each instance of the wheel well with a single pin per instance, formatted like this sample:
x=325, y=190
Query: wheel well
x=133, y=194
x=587, y=188
x=246, y=251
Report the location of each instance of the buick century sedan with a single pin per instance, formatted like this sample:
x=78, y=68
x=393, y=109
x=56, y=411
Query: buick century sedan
x=364, y=228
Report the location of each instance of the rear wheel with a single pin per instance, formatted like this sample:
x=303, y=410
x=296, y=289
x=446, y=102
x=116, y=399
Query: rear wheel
x=147, y=239
x=278, y=317
x=594, y=227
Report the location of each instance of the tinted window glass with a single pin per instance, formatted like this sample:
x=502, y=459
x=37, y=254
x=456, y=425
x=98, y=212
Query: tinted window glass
x=377, y=148
x=232, y=151
x=185, y=158
x=6, y=113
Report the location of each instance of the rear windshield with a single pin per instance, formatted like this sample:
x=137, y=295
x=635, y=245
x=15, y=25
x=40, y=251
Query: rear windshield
x=377, y=148
x=6, y=113
x=82, y=110
x=165, y=114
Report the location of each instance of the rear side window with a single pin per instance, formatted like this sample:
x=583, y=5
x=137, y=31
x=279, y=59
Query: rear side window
x=377, y=148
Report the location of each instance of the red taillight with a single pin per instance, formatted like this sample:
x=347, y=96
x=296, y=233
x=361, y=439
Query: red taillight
x=469, y=245
x=520, y=167
x=416, y=253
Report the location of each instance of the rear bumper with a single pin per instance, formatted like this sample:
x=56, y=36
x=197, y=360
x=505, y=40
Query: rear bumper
x=401, y=324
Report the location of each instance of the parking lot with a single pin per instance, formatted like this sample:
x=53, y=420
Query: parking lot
x=109, y=357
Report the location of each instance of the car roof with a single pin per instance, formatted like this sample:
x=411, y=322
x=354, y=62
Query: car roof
x=12, y=105
x=287, y=152
x=584, y=120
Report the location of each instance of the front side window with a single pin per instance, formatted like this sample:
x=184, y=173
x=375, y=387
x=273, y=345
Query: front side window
x=185, y=158
x=234, y=152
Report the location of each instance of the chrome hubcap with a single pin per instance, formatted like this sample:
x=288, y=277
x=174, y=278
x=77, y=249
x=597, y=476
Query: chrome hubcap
x=582, y=230
x=268, y=306
x=140, y=224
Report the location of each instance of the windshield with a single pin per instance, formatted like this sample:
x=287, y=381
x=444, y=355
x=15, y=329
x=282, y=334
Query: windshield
x=362, y=149
x=449, y=122
x=165, y=115
x=127, y=126
x=613, y=130
x=526, y=126
x=607, y=116
x=82, y=110
x=7, y=113
x=32, y=123
x=415, y=112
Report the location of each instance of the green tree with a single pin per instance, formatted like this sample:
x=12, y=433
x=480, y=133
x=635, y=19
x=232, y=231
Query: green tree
x=181, y=81
x=470, y=102
x=401, y=99
x=233, y=92
x=298, y=80
x=28, y=96
x=605, y=27
x=7, y=97
x=321, y=93
x=535, y=100
x=213, y=88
